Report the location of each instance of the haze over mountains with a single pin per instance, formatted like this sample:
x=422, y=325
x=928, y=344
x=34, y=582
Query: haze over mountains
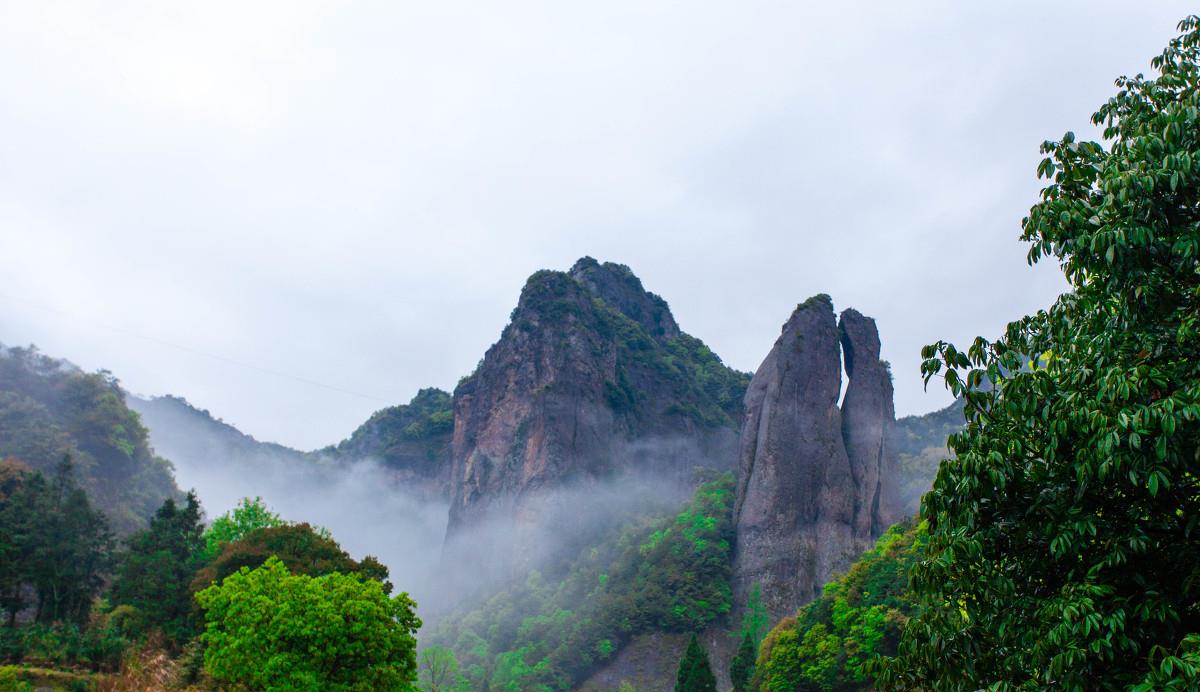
x=593, y=411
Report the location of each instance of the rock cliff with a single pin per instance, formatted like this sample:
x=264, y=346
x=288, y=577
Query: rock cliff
x=591, y=380
x=815, y=482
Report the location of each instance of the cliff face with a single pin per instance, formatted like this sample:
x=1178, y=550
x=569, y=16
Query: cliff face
x=868, y=426
x=590, y=380
x=815, y=483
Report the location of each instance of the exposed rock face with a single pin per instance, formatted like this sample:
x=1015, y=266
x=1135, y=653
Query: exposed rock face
x=591, y=379
x=868, y=426
x=815, y=483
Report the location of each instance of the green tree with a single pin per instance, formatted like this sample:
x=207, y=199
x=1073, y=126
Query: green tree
x=155, y=576
x=249, y=515
x=301, y=548
x=269, y=629
x=56, y=547
x=754, y=627
x=695, y=674
x=439, y=670
x=1063, y=545
x=741, y=668
x=755, y=620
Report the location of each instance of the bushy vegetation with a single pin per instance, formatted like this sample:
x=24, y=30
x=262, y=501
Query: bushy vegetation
x=669, y=575
x=267, y=628
x=831, y=643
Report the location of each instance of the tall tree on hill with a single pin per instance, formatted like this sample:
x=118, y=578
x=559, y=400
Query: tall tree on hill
x=1064, y=535
x=695, y=674
x=741, y=668
x=69, y=547
x=157, y=571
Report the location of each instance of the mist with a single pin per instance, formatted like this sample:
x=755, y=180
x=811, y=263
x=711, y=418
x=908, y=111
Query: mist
x=371, y=509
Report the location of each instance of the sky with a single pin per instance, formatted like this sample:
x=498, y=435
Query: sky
x=296, y=213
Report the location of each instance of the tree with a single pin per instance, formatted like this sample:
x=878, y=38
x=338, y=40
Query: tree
x=302, y=549
x=695, y=674
x=753, y=629
x=249, y=515
x=741, y=668
x=439, y=670
x=156, y=573
x=755, y=620
x=56, y=547
x=1064, y=547
x=269, y=629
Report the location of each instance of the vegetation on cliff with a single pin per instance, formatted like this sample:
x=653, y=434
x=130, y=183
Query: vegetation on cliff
x=831, y=643
x=669, y=574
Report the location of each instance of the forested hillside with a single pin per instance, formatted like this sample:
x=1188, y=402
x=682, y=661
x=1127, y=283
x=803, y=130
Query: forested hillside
x=51, y=410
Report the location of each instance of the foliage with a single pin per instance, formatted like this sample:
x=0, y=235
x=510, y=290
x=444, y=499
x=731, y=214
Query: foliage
x=269, y=629
x=23, y=678
x=668, y=574
x=155, y=576
x=741, y=667
x=417, y=430
x=695, y=673
x=438, y=671
x=299, y=547
x=50, y=409
x=235, y=524
x=98, y=645
x=55, y=546
x=831, y=642
x=1063, y=545
x=755, y=619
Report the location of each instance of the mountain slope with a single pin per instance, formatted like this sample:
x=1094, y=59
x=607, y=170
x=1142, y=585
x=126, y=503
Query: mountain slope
x=50, y=408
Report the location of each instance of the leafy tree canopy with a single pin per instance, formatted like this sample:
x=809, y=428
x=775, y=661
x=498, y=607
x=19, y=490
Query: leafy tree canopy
x=300, y=547
x=233, y=525
x=267, y=628
x=831, y=643
x=1064, y=549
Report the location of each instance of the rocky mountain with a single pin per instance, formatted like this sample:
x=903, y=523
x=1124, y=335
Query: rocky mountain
x=50, y=409
x=591, y=380
x=816, y=483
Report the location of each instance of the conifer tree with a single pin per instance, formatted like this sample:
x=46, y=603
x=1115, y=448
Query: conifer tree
x=695, y=674
x=156, y=574
x=741, y=668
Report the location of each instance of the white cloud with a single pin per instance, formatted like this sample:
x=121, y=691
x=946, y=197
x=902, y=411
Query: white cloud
x=354, y=194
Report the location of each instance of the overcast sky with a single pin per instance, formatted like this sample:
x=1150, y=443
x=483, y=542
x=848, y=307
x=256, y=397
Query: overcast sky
x=293, y=214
